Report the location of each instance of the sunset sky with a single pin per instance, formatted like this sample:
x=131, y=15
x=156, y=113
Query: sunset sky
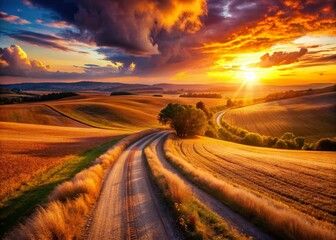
x=176, y=41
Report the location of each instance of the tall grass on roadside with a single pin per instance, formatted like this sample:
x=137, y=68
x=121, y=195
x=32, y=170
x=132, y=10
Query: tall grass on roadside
x=64, y=216
x=282, y=222
x=197, y=221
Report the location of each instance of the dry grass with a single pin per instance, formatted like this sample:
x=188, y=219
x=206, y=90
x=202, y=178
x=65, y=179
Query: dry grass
x=254, y=180
x=28, y=150
x=197, y=221
x=65, y=215
x=312, y=117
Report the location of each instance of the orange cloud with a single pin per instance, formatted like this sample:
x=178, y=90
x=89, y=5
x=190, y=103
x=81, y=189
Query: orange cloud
x=56, y=24
x=280, y=24
x=12, y=18
x=14, y=62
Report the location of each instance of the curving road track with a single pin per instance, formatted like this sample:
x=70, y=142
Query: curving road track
x=127, y=207
x=219, y=118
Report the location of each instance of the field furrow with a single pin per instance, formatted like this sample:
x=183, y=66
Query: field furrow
x=301, y=180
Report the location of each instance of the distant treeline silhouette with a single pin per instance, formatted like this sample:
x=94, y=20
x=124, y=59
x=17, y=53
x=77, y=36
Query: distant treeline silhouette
x=120, y=93
x=201, y=95
x=292, y=93
x=35, y=98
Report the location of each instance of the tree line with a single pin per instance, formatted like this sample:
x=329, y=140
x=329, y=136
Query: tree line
x=201, y=95
x=35, y=98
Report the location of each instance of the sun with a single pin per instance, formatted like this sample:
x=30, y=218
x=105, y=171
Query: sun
x=250, y=77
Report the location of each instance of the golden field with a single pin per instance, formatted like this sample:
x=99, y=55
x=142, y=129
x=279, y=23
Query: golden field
x=301, y=180
x=312, y=117
x=30, y=149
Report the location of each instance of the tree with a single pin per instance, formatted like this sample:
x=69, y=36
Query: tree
x=288, y=136
x=326, y=144
x=253, y=139
x=184, y=119
x=201, y=105
x=229, y=103
x=281, y=144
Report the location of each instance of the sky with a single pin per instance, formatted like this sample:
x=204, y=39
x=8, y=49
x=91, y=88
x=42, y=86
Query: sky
x=176, y=41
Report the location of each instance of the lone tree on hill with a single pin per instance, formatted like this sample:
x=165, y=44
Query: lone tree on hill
x=184, y=119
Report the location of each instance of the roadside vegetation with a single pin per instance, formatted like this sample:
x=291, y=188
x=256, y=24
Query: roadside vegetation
x=274, y=217
x=195, y=220
x=64, y=216
x=20, y=203
x=287, y=141
x=30, y=150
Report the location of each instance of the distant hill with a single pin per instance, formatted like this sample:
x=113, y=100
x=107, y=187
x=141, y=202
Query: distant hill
x=161, y=87
x=81, y=86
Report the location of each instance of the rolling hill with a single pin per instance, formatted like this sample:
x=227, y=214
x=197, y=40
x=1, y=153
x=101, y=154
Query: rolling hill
x=312, y=117
x=97, y=110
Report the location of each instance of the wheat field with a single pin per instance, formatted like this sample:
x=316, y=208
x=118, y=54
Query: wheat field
x=302, y=180
x=30, y=149
x=312, y=117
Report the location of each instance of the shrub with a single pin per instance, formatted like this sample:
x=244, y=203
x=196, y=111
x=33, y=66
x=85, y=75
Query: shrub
x=210, y=132
x=299, y=141
x=270, y=141
x=281, y=144
x=326, y=144
x=253, y=139
x=288, y=136
x=308, y=146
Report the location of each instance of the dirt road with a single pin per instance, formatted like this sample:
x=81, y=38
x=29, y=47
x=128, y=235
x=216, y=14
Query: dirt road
x=219, y=118
x=127, y=207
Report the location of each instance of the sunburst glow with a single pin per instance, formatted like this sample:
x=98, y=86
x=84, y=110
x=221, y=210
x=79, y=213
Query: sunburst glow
x=250, y=77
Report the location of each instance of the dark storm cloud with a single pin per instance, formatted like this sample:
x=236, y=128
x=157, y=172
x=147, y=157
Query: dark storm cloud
x=315, y=61
x=131, y=25
x=280, y=58
x=42, y=40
